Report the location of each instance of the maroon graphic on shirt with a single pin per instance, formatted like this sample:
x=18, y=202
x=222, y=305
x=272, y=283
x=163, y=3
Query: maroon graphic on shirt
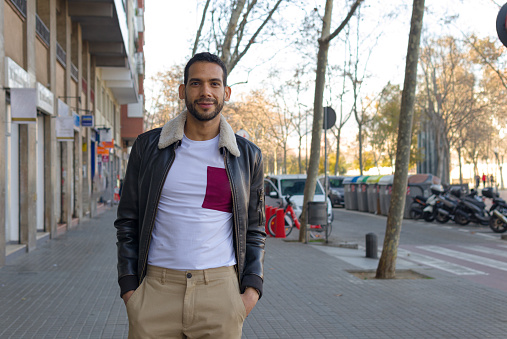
x=218, y=191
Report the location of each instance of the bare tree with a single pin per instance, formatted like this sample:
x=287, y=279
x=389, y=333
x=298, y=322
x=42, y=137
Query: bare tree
x=320, y=81
x=448, y=96
x=300, y=112
x=292, y=112
x=257, y=114
x=342, y=116
x=236, y=25
x=387, y=265
x=165, y=103
x=199, y=30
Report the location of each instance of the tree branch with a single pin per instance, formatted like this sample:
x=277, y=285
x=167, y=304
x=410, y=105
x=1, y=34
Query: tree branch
x=252, y=40
x=343, y=24
x=198, y=35
x=231, y=30
x=241, y=29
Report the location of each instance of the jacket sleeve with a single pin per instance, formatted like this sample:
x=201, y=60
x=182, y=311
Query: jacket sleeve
x=127, y=225
x=255, y=236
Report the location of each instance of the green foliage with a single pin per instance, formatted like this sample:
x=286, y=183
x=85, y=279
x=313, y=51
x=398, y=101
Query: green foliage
x=382, y=131
x=368, y=161
x=343, y=166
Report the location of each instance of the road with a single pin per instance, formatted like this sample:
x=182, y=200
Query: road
x=470, y=252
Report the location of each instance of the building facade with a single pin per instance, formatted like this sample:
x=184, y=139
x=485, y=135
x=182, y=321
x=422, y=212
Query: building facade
x=71, y=104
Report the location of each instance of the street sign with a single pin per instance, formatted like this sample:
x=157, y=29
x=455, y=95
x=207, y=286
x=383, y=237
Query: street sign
x=77, y=121
x=105, y=158
x=87, y=121
x=501, y=25
x=329, y=118
x=102, y=150
x=107, y=144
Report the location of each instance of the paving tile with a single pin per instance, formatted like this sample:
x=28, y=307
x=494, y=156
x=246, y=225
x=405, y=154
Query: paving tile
x=67, y=289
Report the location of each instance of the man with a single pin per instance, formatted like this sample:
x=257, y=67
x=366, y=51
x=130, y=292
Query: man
x=190, y=223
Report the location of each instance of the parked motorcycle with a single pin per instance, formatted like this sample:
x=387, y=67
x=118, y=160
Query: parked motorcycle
x=428, y=204
x=445, y=206
x=471, y=208
x=498, y=211
x=418, y=208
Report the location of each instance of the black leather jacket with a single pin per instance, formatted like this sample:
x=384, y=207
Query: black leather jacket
x=150, y=160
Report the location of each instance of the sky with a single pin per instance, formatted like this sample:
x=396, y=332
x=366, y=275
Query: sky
x=170, y=26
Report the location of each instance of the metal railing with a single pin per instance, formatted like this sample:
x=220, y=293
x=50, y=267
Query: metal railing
x=42, y=30
x=61, y=56
x=74, y=72
x=20, y=5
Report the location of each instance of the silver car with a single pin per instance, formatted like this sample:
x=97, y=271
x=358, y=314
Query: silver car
x=276, y=187
x=336, y=191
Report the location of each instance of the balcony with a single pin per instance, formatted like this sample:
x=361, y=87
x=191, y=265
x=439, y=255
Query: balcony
x=20, y=5
x=42, y=30
x=74, y=72
x=104, y=27
x=61, y=56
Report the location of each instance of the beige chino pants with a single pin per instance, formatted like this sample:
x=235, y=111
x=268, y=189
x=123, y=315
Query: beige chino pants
x=187, y=304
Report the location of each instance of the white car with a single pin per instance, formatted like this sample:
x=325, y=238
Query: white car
x=276, y=187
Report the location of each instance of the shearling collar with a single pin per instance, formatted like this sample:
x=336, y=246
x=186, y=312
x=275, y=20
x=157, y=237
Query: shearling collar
x=173, y=132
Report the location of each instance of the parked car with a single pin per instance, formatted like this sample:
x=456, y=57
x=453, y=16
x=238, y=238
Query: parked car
x=276, y=187
x=336, y=191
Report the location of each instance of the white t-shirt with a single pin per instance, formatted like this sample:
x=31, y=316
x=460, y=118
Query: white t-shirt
x=193, y=224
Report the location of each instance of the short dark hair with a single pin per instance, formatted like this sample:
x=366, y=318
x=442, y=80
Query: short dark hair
x=205, y=57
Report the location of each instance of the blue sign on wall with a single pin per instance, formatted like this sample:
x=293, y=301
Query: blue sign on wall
x=77, y=122
x=87, y=120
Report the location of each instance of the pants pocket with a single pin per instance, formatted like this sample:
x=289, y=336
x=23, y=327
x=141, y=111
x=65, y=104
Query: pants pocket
x=240, y=306
x=135, y=295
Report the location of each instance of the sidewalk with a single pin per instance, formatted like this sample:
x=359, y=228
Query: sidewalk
x=67, y=289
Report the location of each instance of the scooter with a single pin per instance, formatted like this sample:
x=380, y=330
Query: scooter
x=468, y=210
x=498, y=211
x=429, y=210
x=417, y=207
x=445, y=205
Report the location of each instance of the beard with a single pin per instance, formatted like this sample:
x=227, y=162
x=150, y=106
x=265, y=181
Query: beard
x=192, y=108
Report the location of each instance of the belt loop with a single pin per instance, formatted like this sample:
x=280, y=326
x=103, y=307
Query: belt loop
x=206, y=281
x=164, y=271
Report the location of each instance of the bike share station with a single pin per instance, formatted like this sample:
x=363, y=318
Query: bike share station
x=316, y=216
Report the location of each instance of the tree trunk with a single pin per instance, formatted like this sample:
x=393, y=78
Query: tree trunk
x=318, y=112
x=285, y=158
x=387, y=265
x=337, y=164
x=318, y=119
x=501, y=174
x=460, y=166
x=361, y=149
x=300, y=164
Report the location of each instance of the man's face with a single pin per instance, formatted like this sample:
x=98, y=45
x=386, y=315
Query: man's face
x=205, y=92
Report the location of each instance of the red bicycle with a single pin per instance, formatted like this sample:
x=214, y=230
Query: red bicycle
x=291, y=221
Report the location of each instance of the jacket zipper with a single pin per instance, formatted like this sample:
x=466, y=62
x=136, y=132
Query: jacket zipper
x=152, y=224
x=234, y=214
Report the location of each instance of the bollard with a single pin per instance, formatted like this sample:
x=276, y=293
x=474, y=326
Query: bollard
x=371, y=246
x=280, y=223
x=269, y=213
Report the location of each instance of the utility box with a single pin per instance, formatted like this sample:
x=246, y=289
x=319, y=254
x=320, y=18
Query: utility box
x=350, y=190
x=373, y=194
x=362, y=194
x=385, y=190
